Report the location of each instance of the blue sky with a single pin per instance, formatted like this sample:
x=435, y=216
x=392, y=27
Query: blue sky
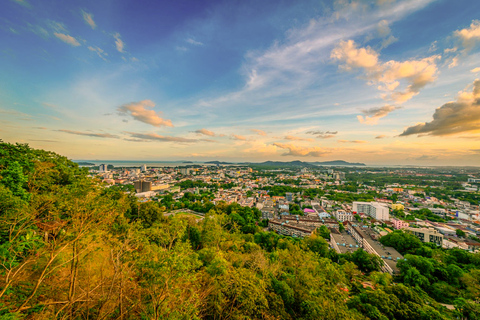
x=380, y=81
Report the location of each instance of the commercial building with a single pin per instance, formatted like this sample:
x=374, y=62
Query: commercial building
x=427, y=235
x=375, y=210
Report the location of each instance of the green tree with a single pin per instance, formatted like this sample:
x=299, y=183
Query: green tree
x=460, y=233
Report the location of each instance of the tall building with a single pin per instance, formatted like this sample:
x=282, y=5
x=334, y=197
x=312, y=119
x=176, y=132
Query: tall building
x=185, y=171
x=103, y=168
x=144, y=167
x=375, y=210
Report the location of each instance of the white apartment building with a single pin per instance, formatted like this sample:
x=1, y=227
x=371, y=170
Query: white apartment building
x=375, y=210
x=342, y=215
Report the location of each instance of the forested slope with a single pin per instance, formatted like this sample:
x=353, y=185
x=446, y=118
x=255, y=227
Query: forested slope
x=70, y=248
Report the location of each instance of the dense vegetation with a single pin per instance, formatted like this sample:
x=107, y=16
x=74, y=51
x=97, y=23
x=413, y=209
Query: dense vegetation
x=71, y=248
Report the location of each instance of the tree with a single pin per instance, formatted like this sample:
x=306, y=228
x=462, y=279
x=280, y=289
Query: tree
x=324, y=232
x=460, y=233
x=403, y=242
x=365, y=261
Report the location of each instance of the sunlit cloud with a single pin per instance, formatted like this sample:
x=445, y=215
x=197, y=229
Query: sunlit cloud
x=372, y=115
x=259, y=132
x=157, y=137
x=139, y=112
x=416, y=73
x=469, y=36
x=454, y=117
x=90, y=134
x=205, y=132
x=67, y=39
x=352, y=141
x=119, y=44
x=102, y=54
x=299, y=151
x=237, y=137
x=293, y=138
x=88, y=17
x=323, y=134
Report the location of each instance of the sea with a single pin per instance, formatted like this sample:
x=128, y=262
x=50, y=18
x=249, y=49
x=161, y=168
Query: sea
x=137, y=163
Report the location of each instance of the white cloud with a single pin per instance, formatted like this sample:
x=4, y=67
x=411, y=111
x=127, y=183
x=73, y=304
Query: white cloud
x=194, y=42
x=139, y=111
x=475, y=70
x=88, y=17
x=118, y=42
x=67, y=39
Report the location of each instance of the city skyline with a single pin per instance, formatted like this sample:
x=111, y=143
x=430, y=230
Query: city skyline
x=378, y=82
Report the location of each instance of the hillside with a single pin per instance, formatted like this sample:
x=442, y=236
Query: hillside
x=339, y=163
x=71, y=248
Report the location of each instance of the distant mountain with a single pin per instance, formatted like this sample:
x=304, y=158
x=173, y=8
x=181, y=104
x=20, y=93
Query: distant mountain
x=281, y=164
x=83, y=163
x=338, y=163
x=218, y=162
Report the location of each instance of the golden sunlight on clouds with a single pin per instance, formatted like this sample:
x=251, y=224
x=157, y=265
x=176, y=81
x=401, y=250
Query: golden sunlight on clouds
x=416, y=73
x=455, y=117
x=139, y=111
x=294, y=150
x=67, y=39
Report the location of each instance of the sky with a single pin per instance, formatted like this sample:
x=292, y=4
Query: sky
x=383, y=82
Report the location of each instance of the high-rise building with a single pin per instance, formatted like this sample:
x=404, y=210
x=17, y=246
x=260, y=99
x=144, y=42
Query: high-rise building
x=103, y=168
x=185, y=171
x=375, y=210
x=144, y=167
